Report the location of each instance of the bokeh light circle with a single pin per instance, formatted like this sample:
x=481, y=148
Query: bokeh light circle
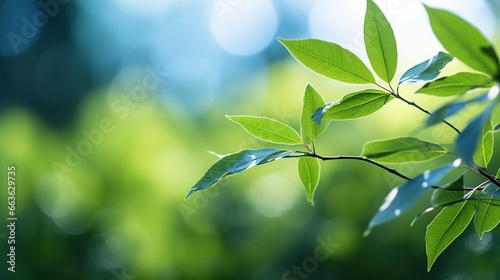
x=236, y=28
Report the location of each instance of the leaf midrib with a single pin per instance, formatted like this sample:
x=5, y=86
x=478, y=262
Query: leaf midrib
x=448, y=228
x=335, y=66
x=382, y=49
x=358, y=105
x=269, y=131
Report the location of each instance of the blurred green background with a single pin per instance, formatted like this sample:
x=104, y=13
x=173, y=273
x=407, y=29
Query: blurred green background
x=108, y=109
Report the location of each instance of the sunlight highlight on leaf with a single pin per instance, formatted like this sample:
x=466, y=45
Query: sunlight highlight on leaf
x=426, y=70
x=236, y=163
x=402, y=198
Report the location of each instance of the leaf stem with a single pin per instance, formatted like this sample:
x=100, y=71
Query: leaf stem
x=384, y=88
x=411, y=103
x=478, y=187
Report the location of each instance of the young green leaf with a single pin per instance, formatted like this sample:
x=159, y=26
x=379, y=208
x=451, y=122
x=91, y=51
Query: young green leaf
x=446, y=227
x=487, y=210
x=357, y=105
x=330, y=60
x=451, y=193
x=464, y=41
x=268, y=129
x=236, y=163
x=311, y=130
x=427, y=70
x=403, y=197
x=484, y=151
x=467, y=142
x=380, y=42
x=456, y=84
x=309, y=171
x=402, y=150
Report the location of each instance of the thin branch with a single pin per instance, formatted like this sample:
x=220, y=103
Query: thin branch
x=411, y=103
x=492, y=178
x=478, y=169
x=365, y=159
x=361, y=158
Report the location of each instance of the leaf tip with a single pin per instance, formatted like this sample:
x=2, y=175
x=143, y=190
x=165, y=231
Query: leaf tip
x=190, y=192
x=367, y=232
x=480, y=234
x=310, y=200
x=282, y=40
x=429, y=265
x=215, y=154
x=427, y=7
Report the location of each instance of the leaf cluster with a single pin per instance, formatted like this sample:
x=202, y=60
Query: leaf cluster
x=473, y=147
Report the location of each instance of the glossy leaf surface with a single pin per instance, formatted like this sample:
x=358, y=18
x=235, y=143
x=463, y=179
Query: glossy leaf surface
x=427, y=70
x=236, y=163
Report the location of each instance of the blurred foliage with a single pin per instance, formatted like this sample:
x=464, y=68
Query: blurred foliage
x=122, y=206
x=120, y=210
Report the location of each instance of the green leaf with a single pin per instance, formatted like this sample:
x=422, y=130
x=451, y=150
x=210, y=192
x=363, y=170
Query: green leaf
x=311, y=130
x=487, y=210
x=456, y=84
x=451, y=193
x=268, y=129
x=330, y=60
x=380, y=42
x=484, y=151
x=427, y=70
x=444, y=196
x=446, y=227
x=464, y=41
x=309, y=171
x=402, y=150
x=357, y=105
x=236, y=163
x=400, y=199
x=467, y=142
